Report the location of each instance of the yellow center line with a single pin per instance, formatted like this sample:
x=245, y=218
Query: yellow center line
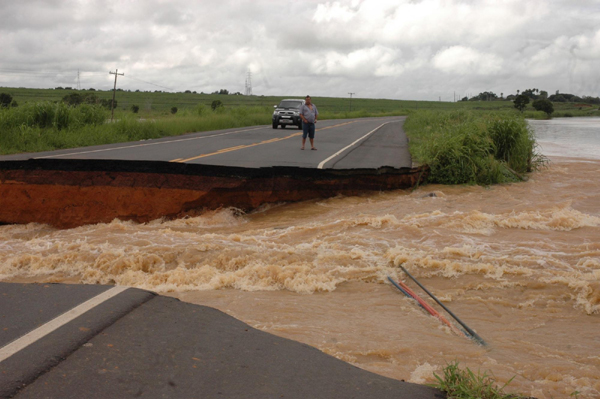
x=241, y=147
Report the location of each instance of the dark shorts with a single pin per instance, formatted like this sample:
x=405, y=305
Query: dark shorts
x=308, y=129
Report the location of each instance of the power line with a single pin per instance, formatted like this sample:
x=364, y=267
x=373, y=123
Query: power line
x=30, y=72
x=150, y=83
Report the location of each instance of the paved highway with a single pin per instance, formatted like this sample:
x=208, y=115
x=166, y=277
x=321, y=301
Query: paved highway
x=91, y=341
x=341, y=144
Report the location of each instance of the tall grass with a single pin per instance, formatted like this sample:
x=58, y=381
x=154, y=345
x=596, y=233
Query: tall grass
x=45, y=125
x=460, y=383
x=467, y=147
x=49, y=126
x=52, y=115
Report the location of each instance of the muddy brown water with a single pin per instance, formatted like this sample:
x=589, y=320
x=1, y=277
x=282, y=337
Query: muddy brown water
x=519, y=263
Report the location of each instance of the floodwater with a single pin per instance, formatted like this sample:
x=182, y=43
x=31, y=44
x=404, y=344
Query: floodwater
x=519, y=263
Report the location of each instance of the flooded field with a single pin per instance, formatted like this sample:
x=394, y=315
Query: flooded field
x=519, y=263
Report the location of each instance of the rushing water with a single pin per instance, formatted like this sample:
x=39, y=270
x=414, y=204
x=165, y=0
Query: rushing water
x=519, y=263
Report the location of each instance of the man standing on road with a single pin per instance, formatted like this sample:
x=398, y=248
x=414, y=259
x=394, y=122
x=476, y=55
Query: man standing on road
x=309, y=115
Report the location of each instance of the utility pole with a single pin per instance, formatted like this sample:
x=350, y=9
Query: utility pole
x=78, y=81
x=351, y=101
x=112, y=105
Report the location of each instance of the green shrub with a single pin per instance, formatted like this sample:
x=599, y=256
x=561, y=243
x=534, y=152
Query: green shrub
x=5, y=99
x=544, y=105
x=87, y=114
x=473, y=148
x=513, y=141
x=216, y=104
x=135, y=108
x=42, y=114
x=460, y=383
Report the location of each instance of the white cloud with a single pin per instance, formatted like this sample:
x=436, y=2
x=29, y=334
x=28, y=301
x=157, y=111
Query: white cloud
x=464, y=61
x=587, y=47
x=422, y=49
x=374, y=61
x=333, y=12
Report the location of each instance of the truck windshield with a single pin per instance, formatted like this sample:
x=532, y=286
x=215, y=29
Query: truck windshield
x=290, y=104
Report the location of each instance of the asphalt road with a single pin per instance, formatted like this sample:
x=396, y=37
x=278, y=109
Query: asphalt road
x=341, y=144
x=86, y=341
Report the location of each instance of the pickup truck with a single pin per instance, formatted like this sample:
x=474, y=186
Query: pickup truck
x=287, y=113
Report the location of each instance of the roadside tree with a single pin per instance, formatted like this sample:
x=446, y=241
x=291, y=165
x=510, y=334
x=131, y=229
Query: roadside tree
x=544, y=105
x=521, y=102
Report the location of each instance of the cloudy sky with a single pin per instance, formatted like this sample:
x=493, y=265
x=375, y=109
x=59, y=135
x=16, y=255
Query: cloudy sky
x=398, y=49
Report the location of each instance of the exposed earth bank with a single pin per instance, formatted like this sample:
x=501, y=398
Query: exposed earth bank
x=69, y=193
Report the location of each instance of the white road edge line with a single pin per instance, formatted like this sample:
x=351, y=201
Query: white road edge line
x=40, y=332
x=146, y=144
x=348, y=146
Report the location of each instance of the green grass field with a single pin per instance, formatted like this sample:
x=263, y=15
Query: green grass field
x=159, y=103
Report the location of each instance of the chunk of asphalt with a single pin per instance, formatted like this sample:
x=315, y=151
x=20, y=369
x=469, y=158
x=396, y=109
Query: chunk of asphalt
x=26, y=365
x=24, y=307
x=171, y=349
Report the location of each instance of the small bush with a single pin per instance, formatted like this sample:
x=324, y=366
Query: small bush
x=135, y=108
x=513, y=141
x=464, y=384
x=173, y=110
x=545, y=106
x=108, y=104
x=216, y=104
x=5, y=99
x=473, y=148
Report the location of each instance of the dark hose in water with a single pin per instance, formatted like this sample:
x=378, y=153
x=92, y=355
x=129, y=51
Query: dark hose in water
x=473, y=333
x=411, y=294
x=400, y=288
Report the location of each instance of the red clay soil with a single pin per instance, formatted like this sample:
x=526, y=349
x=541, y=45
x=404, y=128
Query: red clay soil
x=70, y=193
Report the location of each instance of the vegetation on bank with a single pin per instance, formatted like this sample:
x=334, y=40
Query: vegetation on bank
x=460, y=383
x=466, y=147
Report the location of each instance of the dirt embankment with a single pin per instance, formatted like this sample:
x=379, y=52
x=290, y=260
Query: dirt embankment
x=70, y=193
